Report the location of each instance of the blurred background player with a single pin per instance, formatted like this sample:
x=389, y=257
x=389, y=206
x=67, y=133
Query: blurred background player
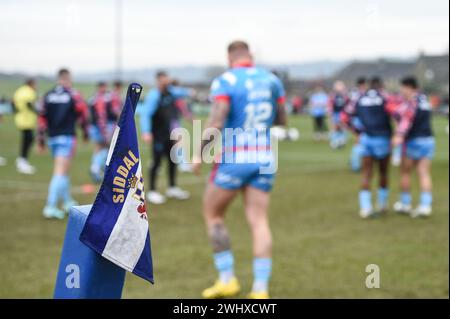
x=297, y=104
x=103, y=120
x=25, y=117
x=357, y=149
x=318, y=104
x=62, y=107
x=116, y=99
x=337, y=102
x=249, y=99
x=371, y=109
x=183, y=111
x=414, y=131
x=159, y=116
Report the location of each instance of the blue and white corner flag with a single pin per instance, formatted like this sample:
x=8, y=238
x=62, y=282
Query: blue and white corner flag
x=117, y=226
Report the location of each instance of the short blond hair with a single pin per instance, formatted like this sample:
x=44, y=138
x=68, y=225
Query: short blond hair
x=238, y=46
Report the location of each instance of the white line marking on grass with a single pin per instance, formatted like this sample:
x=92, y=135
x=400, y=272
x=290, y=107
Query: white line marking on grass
x=21, y=197
x=22, y=194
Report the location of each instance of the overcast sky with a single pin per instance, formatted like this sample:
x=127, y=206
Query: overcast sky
x=39, y=36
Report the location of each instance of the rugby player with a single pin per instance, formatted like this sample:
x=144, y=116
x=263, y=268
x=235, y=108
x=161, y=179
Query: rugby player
x=246, y=100
x=103, y=120
x=183, y=111
x=372, y=111
x=159, y=116
x=25, y=117
x=337, y=101
x=116, y=100
x=415, y=133
x=318, y=104
x=356, y=153
x=62, y=107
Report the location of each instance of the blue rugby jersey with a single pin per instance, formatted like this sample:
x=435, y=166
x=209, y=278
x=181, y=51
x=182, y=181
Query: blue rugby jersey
x=414, y=117
x=371, y=109
x=253, y=94
x=61, y=109
x=421, y=126
x=338, y=101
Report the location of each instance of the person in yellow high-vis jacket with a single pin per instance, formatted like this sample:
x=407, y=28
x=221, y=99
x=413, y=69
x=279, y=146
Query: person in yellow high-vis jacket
x=25, y=117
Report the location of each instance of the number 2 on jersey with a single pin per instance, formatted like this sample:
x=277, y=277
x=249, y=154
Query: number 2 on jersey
x=257, y=115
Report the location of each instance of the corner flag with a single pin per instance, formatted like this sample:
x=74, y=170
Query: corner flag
x=117, y=226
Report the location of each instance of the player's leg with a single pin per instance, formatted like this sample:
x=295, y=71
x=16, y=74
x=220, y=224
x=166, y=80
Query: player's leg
x=365, y=195
x=383, y=187
x=153, y=196
x=403, y=206
x=256, y=204
x=173, y=191
x=342, y=133
x=27, y=141
x=98, y=162
x=324, y=127
x=63, y=165
x=63, y=149
x=98, y=159
x=320, y=124
x=59, y=185
x=22, y=164
x=316, y=128
x=426, y=185
x=215, y=202
x=334, y=135
x=356, y=155
x=337, y=137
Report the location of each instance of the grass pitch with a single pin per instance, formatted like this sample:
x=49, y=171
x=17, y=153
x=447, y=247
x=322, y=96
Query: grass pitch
x=321, y=246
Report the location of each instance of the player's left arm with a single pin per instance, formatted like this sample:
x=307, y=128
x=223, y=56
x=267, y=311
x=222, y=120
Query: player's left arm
x=182, y=92
x=281, y=116
x=148, y=109
x=280, y=95
x=405, y=114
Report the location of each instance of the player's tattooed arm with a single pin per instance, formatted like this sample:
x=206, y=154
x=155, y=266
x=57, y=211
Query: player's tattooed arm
x=216, y=120
x=281, y=118
x=220, y=240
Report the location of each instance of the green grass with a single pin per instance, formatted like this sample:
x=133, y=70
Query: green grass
x=321, y=246
x=8, y=86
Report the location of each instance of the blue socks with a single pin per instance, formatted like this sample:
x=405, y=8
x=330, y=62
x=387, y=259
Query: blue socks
x=365, y=200
x=65, y=189
x=224, y=263
x=262, y=270
x=59, y=188
x=426, y=199
x=405, y=198
x=383, y=197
